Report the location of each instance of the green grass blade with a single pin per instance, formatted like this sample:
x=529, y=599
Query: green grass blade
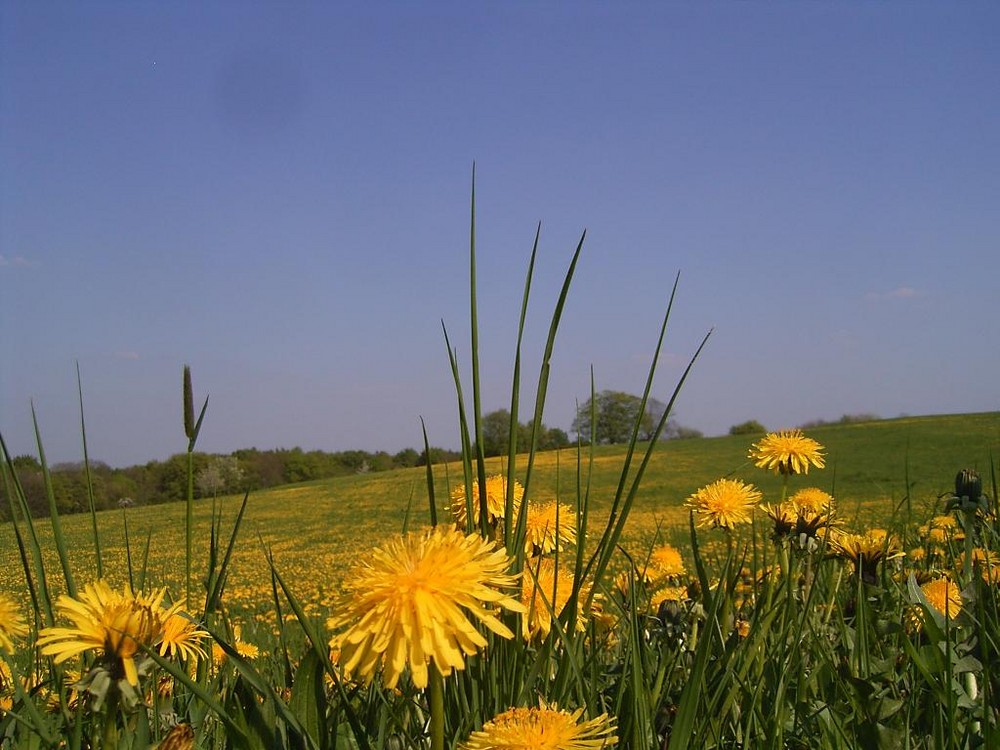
x=57, y=532
x=431, y=501
x=215, y=587
x=89, y=478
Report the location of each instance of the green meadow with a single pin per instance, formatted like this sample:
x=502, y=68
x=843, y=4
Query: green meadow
x=881, y=473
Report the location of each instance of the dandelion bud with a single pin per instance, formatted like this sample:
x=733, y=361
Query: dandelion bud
x=968, y=484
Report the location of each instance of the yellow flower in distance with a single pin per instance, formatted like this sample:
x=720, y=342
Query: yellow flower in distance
x=115, y=623
x=724, y=503
x=812, y=498
x=11, y=624
x=545, y=591
x=787, y=453
x=544, y=728
x=944, y=596
x=540, y=527
x=410, y=600
x=496, y=500
x=665, y=561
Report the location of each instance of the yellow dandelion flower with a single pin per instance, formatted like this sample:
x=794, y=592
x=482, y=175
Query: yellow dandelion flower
x=11, y=624
x=801, y=523
x=866, y=550
x=665, y=561
x=812, y=498
x=496, y=499
x=409, y=602
x=944, y=596
x=545, y=591
x=668, y=594
x=541, y=524
x=181, y=637
x=544, y=728
x=115, y=623
x=724, y=503
x=787, y=453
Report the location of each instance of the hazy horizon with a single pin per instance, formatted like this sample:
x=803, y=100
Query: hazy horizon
x=279, y=198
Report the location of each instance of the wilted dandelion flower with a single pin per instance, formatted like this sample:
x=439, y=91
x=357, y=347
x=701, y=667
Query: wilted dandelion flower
x=409, y=602
x=11, y=624
x=812, y=498
x=545, y=587
x=944, y=596
x=118, y=624
x=866, y=550
x=724, y=503
x=787, y=453
x=544, y=728
x=496, y=500
x=180, y=737
x=541, y=524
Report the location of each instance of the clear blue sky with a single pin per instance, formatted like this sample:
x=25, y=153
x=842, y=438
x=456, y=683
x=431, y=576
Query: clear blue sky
x=278, y=195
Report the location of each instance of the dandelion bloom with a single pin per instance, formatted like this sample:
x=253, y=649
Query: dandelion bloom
x=118, y=624
x=11, y=624
x=866, y=550
x=665, y=561
x=944, y=596
x=800, y=523
x=541, y=525
x=545, y=591
x=496, y=499
x=812, y=498
x=544, y=728
x=409, y=602
x=787, y=453
x=724, y=503
x=181, y=637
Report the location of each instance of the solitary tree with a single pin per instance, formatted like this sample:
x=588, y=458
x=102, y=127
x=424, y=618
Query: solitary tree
x=616, y=413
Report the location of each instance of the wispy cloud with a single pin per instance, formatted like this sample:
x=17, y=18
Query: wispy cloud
x=127, y=355
x=901, y=292
x=16, y=261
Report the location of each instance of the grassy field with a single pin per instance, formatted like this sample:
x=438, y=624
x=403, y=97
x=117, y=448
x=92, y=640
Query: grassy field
x=875, y=470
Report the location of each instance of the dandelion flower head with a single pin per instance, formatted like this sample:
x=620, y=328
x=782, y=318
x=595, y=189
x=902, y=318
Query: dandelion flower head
x=665, y=561
x=11, y=624
x=544, y=728
x=496, y=499
x=944, y=596
x=788, y=452
x=812, y=498
x=544, y=518
x=724, y=503
x=410, y=602
x=545, y=592
x=115, y=623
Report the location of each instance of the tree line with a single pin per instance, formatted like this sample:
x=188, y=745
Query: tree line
x=165, y=481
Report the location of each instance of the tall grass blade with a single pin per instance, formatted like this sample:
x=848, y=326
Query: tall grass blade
x=89, y=479
x=57, y=532
x=431, y=501
x=217, y=582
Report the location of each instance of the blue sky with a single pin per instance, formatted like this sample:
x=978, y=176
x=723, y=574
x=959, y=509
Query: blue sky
x=278, y=195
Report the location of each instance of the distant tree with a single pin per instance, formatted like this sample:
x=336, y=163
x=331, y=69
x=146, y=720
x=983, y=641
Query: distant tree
x=221, y=475
x=406, y=458
x=496, y=432
x=750, y=427
x=680, y=432
x=616, y=414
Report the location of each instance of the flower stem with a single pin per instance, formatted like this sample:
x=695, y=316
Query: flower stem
x=436, y=690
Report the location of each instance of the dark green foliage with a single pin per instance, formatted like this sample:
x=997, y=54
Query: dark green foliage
x=750, y=427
